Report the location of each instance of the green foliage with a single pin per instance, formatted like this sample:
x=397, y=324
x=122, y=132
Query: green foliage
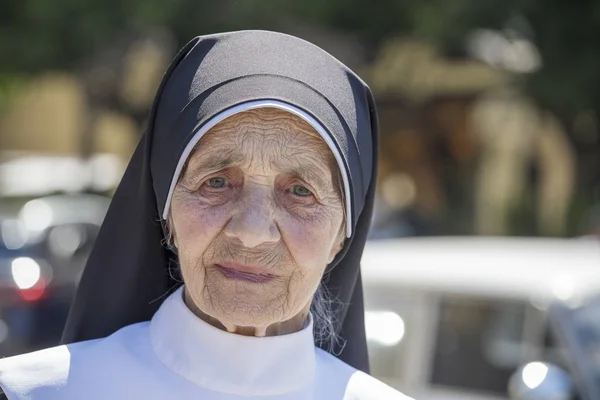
x=57, y=34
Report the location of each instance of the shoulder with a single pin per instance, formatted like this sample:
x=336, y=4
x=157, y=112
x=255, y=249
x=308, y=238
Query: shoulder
x=63, y=372
x=21, y=376
x=362, y=386
x=350, y=384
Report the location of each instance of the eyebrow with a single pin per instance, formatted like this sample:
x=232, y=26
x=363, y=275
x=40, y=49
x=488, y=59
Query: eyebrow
x=308, y=173
x=214, y=162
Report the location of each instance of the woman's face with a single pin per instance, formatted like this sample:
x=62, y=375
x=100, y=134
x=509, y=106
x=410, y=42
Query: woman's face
x=256, y=217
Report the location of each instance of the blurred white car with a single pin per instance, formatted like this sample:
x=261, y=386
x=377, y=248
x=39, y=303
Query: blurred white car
x=456, y=318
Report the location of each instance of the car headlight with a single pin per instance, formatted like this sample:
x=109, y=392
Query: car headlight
x=384, y=327
x=26, y=272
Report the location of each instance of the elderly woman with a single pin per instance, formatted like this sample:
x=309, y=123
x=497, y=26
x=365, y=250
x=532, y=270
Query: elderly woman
x=253, y=185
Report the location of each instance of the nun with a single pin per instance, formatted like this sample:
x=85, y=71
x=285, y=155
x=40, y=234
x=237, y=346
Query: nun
x=227, y=266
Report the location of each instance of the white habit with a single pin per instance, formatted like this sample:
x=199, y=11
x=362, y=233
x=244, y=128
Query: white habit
x=178, y=356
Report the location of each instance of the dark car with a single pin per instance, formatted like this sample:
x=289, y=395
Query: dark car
x=40, y=268
x=32, y=308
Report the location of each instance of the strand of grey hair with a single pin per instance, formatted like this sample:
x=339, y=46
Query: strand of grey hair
x=324, y=309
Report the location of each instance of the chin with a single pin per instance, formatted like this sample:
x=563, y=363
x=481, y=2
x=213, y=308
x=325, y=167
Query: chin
x=251, y=311
x=238, y=303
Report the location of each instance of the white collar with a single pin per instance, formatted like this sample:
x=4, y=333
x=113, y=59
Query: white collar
x=227, y=362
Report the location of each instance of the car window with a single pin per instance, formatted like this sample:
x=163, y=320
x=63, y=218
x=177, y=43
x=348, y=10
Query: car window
x=554, y=352
x=579, y=330
x=478, y=343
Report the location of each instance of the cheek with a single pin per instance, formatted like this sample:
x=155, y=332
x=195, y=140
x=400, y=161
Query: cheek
x=195, y=225
x=310, y=241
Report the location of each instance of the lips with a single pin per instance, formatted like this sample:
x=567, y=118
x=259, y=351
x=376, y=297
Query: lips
x=243, y=272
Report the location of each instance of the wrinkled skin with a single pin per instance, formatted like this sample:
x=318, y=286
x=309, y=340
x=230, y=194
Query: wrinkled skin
x=261, y=189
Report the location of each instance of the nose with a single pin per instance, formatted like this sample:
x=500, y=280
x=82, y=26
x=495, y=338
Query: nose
x=253, y=222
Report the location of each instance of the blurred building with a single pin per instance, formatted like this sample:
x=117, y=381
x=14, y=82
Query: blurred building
x=76, y=131
x=463, y=140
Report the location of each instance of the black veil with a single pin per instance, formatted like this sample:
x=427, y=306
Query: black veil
x=127, y=275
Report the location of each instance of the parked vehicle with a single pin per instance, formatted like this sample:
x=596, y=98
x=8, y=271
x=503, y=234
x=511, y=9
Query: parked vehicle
x=26, y=291
x=42, y=255
x=64, y=228
x=457, y=318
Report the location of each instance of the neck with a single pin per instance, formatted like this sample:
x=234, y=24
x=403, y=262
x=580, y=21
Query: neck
x=294, y=324
x=233, y=366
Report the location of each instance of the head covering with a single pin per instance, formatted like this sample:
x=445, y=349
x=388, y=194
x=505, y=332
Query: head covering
x=128, y=273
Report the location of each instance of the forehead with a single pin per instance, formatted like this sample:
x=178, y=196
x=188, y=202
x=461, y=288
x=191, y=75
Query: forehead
x=268, y=136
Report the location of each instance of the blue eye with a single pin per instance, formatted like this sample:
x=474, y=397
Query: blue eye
x=301, y=191
x=217, y=183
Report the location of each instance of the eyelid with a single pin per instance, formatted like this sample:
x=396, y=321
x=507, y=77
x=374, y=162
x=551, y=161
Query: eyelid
x=204, y=182
x=222, y=173
x=313, y=194
x=296, y=180
x=302, y=186
x=218, y=177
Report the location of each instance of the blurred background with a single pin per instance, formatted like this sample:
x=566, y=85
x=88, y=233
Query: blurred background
x=484, y=249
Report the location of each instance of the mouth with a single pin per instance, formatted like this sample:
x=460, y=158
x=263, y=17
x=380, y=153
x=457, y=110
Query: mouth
x=244, y=273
